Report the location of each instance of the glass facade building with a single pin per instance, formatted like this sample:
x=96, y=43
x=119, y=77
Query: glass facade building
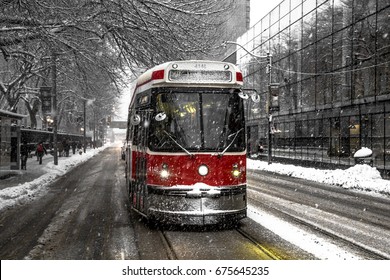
x=331, y=60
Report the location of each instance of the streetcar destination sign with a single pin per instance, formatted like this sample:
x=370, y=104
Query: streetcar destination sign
x=200, y=76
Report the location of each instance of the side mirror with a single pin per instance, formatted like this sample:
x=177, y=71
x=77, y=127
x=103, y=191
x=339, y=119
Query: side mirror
x=135, y=119
x=252, y=94
x=160, y=116
x=243, y=95
x=255, y=98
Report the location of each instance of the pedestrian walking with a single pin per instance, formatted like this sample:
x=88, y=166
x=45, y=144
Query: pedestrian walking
x=60, y=148
x=80, y=147
x=40, y=151
x=66, y=148
x=74, y=147
x=24, y=152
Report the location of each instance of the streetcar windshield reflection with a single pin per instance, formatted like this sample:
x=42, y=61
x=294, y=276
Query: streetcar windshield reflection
x=198, y=121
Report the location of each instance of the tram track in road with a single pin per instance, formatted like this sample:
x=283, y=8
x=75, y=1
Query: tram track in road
x=367, y=252
x=167, y=246
x=268, y=252
x=159, y=241
x=210, y=242
x=332, y=219
x=246, y=240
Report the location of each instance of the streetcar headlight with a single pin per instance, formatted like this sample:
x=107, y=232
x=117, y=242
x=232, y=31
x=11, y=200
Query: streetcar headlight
x=236, y=171
x=164, y=174
x=203, y=170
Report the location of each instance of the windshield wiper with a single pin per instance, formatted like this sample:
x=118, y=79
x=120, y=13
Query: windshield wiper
x=184, y=149
x=231, y=142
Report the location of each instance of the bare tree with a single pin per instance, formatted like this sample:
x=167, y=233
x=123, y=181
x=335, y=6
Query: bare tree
x=110, y=37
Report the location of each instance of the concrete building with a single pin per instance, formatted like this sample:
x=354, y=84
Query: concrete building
x=234, y=25
x=9, y=141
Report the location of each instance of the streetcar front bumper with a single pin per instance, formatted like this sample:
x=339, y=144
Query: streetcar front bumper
x=197, y=205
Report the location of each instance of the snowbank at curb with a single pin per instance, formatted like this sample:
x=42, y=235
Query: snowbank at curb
x=31, y=190
x=360, y=177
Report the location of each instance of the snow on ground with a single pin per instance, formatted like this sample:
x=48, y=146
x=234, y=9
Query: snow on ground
x=319, y=247
x=360, y=177
x=31, y=190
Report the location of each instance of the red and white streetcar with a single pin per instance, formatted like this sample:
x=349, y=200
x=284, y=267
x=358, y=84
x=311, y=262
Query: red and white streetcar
x=186, y=148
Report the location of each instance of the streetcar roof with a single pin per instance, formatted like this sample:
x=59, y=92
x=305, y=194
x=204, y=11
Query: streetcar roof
x=189, y=73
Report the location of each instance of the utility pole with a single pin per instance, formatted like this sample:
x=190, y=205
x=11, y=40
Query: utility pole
x=85, y=126
x=269, y=112
x=268, y=108
x=54, y=106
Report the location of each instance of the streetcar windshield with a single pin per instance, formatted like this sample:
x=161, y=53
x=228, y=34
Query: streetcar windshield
x=201, y=120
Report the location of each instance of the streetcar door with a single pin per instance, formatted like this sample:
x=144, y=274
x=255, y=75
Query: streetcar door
x=141, y=162
x=130, y=149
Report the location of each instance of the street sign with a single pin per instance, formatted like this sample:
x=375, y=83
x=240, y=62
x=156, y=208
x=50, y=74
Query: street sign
x=118, y=124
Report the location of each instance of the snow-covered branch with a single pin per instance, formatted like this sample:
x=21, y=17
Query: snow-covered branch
x=96, y=41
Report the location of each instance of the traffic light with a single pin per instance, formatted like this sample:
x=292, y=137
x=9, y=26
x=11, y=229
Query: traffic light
x=269, y=62
x=108, y=120
x=273, y=95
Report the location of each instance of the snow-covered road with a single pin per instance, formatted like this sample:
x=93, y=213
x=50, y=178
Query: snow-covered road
x=361, y=178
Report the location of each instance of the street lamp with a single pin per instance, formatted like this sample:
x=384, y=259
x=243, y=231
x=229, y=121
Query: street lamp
x=84, y=128
x=49, y=123
x=268, y=106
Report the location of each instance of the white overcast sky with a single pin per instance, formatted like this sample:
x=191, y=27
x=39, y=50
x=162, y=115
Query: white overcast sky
x=259, y=8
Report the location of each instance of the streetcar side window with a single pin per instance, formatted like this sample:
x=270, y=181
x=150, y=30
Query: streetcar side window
x=143, y=99
x=134, y=129
x=138, y=116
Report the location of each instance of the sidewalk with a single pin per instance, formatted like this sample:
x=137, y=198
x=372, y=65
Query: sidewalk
x=11, y=178
x=360, y=177
x=29, y=184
